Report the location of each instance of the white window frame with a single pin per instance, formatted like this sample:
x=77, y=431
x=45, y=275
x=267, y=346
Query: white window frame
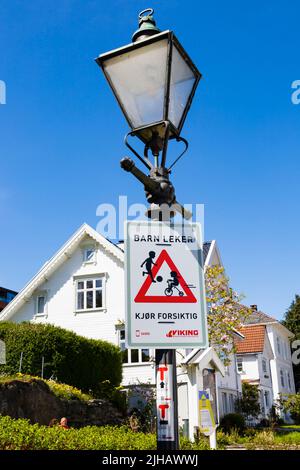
x=231, y=403
x=264, y=366
x=94, y=277
x=267, y=399
x=278, y=346
x=282, y=381
x=91, y=260
x=129, y=362
x=239, y=362
x=39, y=295
x=288, y=378
x=225, y=403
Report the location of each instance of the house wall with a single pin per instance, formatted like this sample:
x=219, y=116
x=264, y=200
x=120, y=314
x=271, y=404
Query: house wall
x=282, y=361
x=139, y=374
x=250, y=367
x=60, y=291
x=229, y=388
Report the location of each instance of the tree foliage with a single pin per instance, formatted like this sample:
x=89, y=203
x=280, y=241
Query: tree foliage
x=248, y=404
x=71, y=359
x=292, y=317
x=225, y=311
x=291, y=404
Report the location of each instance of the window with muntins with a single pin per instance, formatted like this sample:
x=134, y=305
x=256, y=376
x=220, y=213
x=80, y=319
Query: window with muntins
x=239, y=365
x=89, y=294
x=132, y=356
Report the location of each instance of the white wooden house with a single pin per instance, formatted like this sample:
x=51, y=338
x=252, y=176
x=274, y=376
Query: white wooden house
x=264, y=359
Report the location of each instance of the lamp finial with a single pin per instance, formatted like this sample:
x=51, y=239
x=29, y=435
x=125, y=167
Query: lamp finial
x=147, y=25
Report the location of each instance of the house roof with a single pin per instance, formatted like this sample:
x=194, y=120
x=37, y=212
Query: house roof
x=204, y=357
x=206, y=248
x=56, y=261
x=5, y=290
x=254, y=341
x=260, y=318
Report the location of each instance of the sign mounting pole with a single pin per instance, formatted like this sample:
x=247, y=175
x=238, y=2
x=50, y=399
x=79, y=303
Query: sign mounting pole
x=166, y=358
x=165, y=305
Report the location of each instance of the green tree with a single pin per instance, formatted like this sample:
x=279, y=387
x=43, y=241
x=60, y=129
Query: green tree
x=292, y=322
x=248, y=405
x=226, y=314
x=291, y=404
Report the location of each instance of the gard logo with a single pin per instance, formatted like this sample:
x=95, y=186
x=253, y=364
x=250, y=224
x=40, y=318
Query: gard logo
x=139, y=333
x=177, y=333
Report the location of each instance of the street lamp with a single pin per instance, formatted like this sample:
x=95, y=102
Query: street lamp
x=154, y=81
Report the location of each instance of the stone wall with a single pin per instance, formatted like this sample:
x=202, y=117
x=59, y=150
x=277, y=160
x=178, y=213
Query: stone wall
x=34, y=400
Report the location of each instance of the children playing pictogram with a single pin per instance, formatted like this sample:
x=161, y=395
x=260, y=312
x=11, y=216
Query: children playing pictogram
x=148, y=264
x=173, y=283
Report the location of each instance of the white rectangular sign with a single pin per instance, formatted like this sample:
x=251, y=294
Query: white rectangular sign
x=165, y=305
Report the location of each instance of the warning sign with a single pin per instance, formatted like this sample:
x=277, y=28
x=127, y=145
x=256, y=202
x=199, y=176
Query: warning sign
x=172, y=293
x=164, y=285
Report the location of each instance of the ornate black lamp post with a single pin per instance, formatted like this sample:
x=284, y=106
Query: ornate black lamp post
x=154, y=81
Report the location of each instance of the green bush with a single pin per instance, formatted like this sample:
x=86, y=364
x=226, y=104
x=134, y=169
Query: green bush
x=72, y=359
x=233, y=421
x=18, y=434
x=291, y=404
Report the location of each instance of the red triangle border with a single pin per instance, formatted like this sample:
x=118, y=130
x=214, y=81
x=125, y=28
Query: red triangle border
x=141, y=295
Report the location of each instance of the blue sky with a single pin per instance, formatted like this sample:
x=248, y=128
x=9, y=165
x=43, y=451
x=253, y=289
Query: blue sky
x=61, y=132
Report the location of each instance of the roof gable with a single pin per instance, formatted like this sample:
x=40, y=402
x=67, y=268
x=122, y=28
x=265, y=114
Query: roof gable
x=204, y=357
x=261, y=318
x=56, y=261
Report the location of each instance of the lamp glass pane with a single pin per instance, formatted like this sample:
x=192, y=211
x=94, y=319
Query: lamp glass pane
x=138, y=78
x=182, y=82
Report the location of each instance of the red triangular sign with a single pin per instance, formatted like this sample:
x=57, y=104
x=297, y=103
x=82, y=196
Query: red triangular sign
x=142, y=297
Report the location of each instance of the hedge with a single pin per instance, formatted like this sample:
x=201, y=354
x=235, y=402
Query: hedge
x=72, y=359
x=18, y=434
x=63, y=391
